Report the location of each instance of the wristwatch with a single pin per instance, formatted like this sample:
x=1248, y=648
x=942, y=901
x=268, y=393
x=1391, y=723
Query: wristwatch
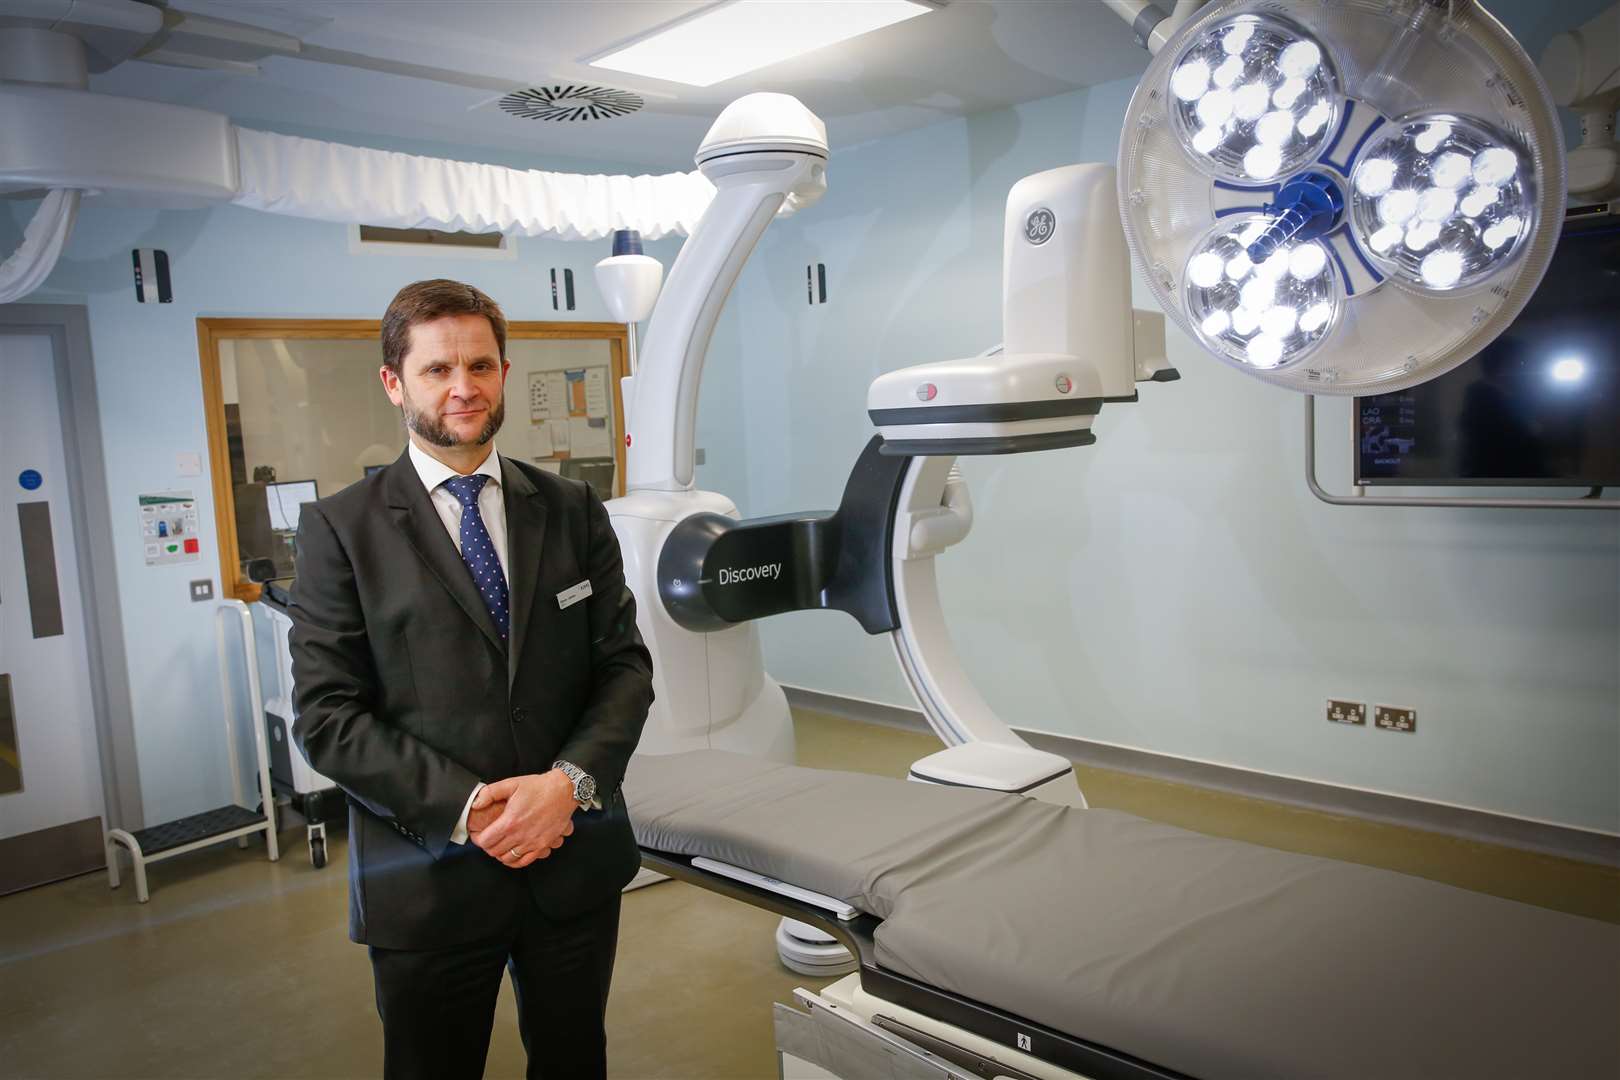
x=584, y=782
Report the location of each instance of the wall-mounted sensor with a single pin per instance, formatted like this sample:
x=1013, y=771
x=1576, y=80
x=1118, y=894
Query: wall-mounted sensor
x=152, y=276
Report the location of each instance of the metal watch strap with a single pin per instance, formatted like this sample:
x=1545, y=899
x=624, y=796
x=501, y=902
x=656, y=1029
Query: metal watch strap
x=584, y=783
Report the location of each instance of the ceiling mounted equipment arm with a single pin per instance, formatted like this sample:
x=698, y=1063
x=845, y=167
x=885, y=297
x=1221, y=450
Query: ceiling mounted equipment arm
x=763, y=151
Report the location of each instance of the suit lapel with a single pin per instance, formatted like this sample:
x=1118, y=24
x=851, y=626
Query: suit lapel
x=525, y=536
x=424, y=531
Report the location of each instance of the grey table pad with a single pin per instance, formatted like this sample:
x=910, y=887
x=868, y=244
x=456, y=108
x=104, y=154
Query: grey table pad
x=1219, y=959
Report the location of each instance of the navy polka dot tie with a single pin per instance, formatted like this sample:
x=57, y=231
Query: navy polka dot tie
x=478, y=550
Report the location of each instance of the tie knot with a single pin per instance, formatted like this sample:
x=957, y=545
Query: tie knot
x=466, y=488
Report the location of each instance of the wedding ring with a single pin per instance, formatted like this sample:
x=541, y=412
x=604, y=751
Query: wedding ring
x=515, y=853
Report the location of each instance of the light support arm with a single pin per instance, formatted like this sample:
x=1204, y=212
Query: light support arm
x=1152, y=25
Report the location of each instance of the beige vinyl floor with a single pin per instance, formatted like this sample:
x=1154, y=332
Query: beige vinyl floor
x=242, y=968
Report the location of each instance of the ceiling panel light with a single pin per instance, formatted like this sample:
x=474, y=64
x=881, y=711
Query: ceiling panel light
x=729, y=39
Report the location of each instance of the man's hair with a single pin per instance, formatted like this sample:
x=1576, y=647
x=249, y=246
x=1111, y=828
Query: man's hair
x=424, y=301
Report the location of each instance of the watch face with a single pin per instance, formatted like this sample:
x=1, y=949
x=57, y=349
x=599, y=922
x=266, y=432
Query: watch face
x=585, y=789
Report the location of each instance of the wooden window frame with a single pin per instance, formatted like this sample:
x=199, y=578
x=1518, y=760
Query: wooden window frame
x=210, y=332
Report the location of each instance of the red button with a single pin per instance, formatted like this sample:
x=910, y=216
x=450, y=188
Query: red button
x=192, y=547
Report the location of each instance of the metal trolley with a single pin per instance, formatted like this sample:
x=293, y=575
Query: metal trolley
x=234, y=821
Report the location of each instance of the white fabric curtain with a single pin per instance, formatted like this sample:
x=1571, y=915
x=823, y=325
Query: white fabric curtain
x=42, y=244
x=285, y=174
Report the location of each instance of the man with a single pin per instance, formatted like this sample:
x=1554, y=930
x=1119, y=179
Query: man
x=466, y=667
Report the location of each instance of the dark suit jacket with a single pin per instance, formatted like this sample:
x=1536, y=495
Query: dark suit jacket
x=406, y=697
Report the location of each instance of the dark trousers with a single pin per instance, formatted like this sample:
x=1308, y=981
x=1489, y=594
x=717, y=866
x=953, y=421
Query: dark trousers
x=438, y=1006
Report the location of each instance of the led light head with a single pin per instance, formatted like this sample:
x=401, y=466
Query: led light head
x=1254, y=97
x=1442, y=202
x=1260, y=315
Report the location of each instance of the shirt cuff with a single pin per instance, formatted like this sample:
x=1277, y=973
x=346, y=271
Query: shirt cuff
x=458, y=835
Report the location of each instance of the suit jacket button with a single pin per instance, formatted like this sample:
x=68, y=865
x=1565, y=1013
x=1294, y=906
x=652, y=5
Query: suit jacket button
x=517, y=716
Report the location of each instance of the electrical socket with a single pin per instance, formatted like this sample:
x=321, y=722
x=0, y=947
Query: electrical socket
x=1391, y=718
x=1346, y=712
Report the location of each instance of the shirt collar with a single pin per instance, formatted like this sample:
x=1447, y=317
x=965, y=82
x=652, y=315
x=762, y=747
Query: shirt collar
x=434, y=472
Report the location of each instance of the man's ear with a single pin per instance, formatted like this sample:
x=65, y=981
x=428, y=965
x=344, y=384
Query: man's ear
x=391, y=384
x=506, y=365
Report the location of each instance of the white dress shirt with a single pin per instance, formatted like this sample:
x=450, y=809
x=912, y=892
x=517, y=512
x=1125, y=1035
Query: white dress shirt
x=492, y=508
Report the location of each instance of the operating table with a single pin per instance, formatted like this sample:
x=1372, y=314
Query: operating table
x=1003, y=936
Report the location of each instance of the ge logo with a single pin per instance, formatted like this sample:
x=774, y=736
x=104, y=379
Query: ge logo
x=1039, y=226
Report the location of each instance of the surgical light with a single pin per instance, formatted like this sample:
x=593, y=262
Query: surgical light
x=1255, y=96
x=1341, y=196
x=1266, y=314
x=737, y=36
x=1455, y=189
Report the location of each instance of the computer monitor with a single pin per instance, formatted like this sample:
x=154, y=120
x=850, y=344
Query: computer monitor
x=596, y=472
x=1539, y=405
x=285, y=500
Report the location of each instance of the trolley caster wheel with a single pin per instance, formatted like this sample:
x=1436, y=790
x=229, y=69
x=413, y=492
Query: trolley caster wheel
x=317, y=852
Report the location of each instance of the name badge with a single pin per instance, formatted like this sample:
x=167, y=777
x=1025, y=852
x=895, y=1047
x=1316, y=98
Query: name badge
x=574, y=595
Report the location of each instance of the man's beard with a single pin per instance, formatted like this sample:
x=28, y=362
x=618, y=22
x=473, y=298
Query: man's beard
x=432, y=430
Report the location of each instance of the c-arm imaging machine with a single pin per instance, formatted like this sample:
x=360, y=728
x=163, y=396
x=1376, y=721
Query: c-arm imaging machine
x=1072, y=344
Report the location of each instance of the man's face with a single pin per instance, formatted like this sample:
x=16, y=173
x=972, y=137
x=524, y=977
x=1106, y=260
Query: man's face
x=450, y=382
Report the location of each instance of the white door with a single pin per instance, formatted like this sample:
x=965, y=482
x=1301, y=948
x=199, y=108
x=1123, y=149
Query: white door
x=50, y=771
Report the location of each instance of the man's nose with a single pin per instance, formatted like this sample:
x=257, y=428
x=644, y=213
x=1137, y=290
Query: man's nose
x=463, y=385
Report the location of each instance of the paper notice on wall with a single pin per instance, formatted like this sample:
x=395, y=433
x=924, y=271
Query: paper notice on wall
x=596, y=393
x=548, y=395
x=540, y=440
x=170, y=528
x=589, y=438
x=559, y=437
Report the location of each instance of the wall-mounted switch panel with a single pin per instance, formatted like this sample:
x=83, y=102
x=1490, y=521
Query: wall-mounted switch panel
x=815, y=282
x=202, y=590
x=1393, y=719
x=1346, y=712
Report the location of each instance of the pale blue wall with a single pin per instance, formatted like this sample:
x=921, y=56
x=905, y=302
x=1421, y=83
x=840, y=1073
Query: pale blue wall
x=232, y=262
x=1174, y=587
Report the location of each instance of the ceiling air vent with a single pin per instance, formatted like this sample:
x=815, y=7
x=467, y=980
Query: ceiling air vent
x=570, y=103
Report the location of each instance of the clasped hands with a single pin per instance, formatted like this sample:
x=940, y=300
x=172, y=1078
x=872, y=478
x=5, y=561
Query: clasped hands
x=523, y=818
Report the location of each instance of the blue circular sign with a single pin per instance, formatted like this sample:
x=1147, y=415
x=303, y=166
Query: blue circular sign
x=30, y=479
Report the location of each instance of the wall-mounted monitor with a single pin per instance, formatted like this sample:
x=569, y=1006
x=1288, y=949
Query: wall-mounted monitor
x=285, y=499
x=1539, y=406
